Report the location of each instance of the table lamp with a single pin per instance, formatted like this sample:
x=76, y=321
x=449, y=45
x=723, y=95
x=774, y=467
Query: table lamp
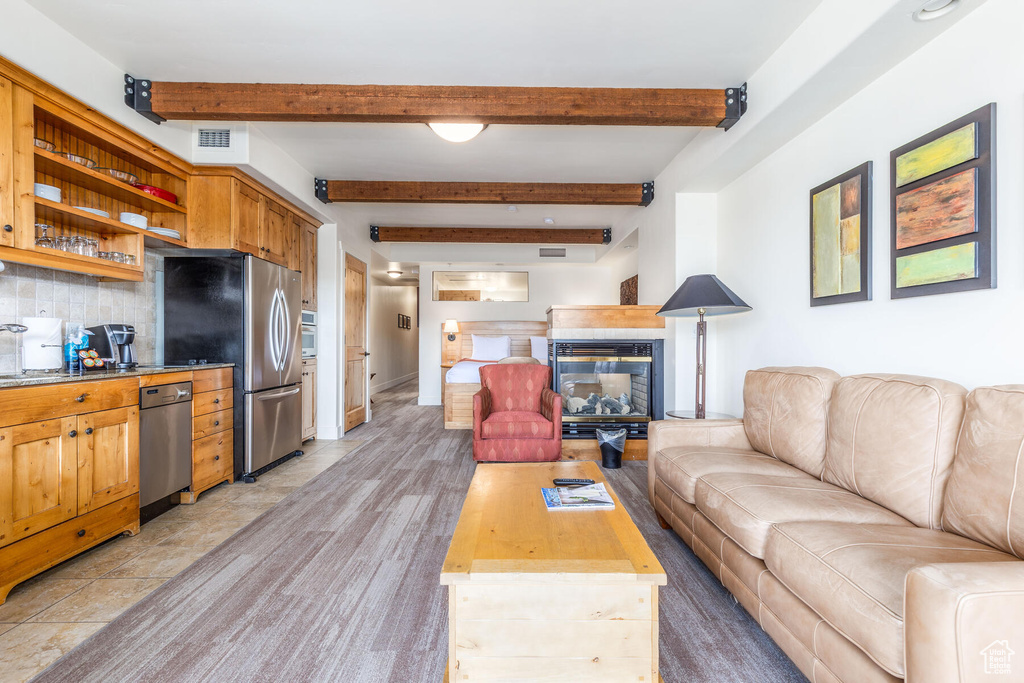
x=451, y=328
x=702, y=295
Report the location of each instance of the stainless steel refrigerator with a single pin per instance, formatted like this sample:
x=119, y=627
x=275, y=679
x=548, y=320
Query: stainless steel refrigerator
x=242, y=310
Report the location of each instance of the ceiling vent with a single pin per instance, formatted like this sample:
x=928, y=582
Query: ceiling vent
x=220, y=143
x=552, y=252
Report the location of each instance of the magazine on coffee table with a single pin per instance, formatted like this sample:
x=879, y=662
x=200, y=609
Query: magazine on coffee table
x=592, y=497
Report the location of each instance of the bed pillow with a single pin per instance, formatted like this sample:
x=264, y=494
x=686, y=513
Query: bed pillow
x=491, y=348
x=539, y=349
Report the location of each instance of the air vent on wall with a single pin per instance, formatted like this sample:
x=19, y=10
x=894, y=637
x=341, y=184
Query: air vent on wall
x=220, y=143
x=552, y=252
x=214, y=137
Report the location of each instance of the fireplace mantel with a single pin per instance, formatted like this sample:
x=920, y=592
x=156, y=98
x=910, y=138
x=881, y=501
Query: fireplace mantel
x=605, y=322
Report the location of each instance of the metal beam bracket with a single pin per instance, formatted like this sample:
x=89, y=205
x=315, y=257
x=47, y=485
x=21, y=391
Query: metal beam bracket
x=647, y=195
x=607, y=232
x=735, y=106
x=374, y=233
x=320, y=190
x=138, y=95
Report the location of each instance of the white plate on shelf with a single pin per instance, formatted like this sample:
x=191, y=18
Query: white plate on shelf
x=97, y=212
x=47, y=192
x=136, y=219
x=167, y=232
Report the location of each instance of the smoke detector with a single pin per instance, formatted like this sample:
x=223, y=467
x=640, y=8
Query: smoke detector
x=933, y=9
x=220, y=143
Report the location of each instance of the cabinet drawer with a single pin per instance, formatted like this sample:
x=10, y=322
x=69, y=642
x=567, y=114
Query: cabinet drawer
x=32, y=404
x=211, y=380
x=212, y=423
x=211, y=401
x=212, y=458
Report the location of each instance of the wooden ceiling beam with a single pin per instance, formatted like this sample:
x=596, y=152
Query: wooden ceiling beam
x=409, y=192
x=491, y=235
x=166, y=100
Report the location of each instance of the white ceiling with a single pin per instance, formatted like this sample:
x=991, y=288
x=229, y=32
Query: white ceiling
x=612, y=43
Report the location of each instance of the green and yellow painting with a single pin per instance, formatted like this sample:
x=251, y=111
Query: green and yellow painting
x=959, y=262
x=835, y=239
x=938, y=155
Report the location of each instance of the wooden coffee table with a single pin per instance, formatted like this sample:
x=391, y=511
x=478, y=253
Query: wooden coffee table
x=567, y=595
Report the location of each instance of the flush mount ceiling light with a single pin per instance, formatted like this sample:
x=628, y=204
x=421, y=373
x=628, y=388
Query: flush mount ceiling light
x=395, y=274
x=457, y=132
x=935, y=9
x=549, y=221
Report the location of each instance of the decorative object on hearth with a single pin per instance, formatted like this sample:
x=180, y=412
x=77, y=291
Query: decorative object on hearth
x=702, y=295
x=841, y=238
x=451, y=328
x=629, y=291
x=943, y=209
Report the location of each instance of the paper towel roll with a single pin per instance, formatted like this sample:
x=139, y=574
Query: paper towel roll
x=42, y=344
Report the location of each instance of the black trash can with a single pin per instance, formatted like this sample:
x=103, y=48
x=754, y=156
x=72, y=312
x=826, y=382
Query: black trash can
x=612, y=443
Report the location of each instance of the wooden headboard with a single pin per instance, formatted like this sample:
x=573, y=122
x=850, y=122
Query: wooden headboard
x=520, y=332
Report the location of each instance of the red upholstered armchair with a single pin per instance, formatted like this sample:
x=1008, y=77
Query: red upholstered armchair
x=516, y=416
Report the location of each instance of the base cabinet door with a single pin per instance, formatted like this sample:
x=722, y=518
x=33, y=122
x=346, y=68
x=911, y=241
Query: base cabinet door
x=38, y=464
x=108, y=460
x=308, y=398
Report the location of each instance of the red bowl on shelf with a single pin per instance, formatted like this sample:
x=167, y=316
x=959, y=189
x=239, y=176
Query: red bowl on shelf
x=157, y=192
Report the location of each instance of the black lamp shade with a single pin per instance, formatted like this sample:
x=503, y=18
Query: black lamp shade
x=703, y=291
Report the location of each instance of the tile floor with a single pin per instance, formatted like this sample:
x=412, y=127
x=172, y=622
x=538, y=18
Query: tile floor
x=53, y=612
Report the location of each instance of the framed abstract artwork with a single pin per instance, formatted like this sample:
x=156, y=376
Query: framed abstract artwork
x=943, y=209
x=841, y=238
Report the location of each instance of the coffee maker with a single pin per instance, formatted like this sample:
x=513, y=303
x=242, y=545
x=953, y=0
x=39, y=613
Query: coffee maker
x=115, y=344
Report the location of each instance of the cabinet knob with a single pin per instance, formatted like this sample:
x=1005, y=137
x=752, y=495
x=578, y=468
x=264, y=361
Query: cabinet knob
x=216, y=423
x=81, y=399
x=8, y=228
x=81, y=532
x=216, y=400
x=88, y=431
x=216, y=457
x=73, y=433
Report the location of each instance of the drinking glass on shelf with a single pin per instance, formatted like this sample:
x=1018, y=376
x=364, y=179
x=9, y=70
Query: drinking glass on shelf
x=117, y=256
x=92, y=247
x=77, y=245
x=63, y=242
x=129, y=259
x=105, y=255
x=44, y=240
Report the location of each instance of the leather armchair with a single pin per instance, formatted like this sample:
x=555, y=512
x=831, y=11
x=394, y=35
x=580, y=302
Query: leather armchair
x=516, y=415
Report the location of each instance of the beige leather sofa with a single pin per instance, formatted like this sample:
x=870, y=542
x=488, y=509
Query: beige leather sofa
x=873, y=525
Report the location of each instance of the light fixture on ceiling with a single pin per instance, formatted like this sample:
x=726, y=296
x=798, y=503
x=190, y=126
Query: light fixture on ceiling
x=933, y=9
x=549, y=221
x=513, y=208
x=457, y=132
x=394, y=274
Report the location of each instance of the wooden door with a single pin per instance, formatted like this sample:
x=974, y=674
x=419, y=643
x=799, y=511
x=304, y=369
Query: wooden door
x=355, y=342
x=6, y=164
x=309, y=266
x=273, y=231
x=308, y=398
x=108, y=457
x=38, y=464
x=245, y=215
x=293, y=250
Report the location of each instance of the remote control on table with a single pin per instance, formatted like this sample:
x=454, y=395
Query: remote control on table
x=572, y=482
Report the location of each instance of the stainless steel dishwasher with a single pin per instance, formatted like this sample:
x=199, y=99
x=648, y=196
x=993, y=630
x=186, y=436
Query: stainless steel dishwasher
x=165, y=440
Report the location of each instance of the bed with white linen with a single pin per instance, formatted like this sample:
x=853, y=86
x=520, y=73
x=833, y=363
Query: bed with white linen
x=480, y=343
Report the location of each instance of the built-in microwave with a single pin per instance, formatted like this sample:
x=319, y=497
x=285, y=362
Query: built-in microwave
x=309, y=334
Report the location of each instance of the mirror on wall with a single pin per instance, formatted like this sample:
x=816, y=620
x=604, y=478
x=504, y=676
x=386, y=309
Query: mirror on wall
x=475, y=285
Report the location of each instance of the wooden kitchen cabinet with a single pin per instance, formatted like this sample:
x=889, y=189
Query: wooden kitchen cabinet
x=212, y=431
x=69, y=476
x=245, y=218
x=308, y=267
x=275, y=222
x=308, y=398
x=6, y=164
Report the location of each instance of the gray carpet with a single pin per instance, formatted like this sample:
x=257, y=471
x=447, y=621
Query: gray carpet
x=339, y=581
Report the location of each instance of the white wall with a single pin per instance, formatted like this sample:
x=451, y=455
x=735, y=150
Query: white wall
x=971, y=337
x=394, y=353
x=561, y=284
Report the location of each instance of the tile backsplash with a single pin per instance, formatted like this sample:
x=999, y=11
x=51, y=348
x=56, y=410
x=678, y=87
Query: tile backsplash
x=27, y=291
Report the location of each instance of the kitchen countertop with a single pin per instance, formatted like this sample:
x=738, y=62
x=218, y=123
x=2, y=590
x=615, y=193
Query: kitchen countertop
x=35, y=378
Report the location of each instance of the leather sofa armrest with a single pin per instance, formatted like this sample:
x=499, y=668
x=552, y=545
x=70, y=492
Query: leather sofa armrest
x=551, y=409
x=675, y=432
x=481, y=410
x=963, y=621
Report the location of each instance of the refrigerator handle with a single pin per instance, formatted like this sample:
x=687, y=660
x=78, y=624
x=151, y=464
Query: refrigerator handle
x=285, y=331
x=283, y=394
x=273, y=336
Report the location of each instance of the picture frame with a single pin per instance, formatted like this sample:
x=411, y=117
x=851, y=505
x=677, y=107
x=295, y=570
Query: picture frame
x=840, y=238
x=943, y=208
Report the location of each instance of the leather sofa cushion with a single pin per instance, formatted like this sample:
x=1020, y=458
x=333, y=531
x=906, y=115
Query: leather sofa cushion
x=985, y=494
x=891, y=440
x=517, y=424
x=853, y=575
x=785, y=413
x=745, y=506
x=680, y=466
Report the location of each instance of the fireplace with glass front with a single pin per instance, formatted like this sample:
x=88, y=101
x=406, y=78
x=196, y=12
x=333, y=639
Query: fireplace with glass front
x=610, y=384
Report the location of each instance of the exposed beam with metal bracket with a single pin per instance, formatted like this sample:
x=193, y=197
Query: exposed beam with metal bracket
x=200, y=101
x=735, y=106
x=491, y=235
x=408, y=192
